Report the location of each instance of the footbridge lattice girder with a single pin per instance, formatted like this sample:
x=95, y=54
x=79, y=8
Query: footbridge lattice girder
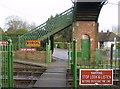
x=50, y=27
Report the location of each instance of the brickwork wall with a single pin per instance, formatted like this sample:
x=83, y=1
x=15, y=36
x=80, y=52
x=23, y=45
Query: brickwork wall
x=36, y=56
x=89, y=28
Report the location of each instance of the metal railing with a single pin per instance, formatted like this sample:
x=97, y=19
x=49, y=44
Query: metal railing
x=101, y=61
x=6, y=64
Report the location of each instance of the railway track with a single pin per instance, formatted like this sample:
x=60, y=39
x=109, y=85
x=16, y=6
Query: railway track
x=26, y=74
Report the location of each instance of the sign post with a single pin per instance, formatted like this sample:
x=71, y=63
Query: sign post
x=75, y=64
x=10, y=64
x=47, y=53
x=96, y=77
x=19, y=42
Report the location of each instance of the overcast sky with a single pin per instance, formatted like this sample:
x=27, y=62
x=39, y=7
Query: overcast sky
x=39, y=11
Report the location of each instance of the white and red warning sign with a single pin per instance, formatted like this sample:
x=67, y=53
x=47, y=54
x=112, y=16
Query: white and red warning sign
x=3, y=43
x=27, y=49
x=96, y=77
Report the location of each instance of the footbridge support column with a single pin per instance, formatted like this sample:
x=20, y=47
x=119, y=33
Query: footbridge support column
x=86, y=23
x=89, y=28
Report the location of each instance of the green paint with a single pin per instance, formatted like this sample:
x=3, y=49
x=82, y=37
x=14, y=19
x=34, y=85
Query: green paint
x=85, y=49
x=78, y=54
x=10, y=64
x=48, y=53
x=50, y=27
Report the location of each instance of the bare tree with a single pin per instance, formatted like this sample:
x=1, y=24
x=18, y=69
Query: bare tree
x=12, y=23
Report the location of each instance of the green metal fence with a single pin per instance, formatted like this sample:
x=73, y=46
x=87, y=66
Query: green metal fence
x=6, y=64
x=102, y=60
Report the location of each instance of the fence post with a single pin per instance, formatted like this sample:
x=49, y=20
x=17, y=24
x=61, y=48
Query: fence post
x=101, y=57
x=10, y=64
x=49, y=48
x=47, y=53
x=4, y=64
x=19, y=42
x=0, y=69
x=119, y=64
x=69, y=55
x=75, y=64
x=1, y=64
x=50, y=44
x=115, y=53
x=111, y=55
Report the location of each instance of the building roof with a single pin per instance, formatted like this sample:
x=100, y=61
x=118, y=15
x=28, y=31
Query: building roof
x=107, y=36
